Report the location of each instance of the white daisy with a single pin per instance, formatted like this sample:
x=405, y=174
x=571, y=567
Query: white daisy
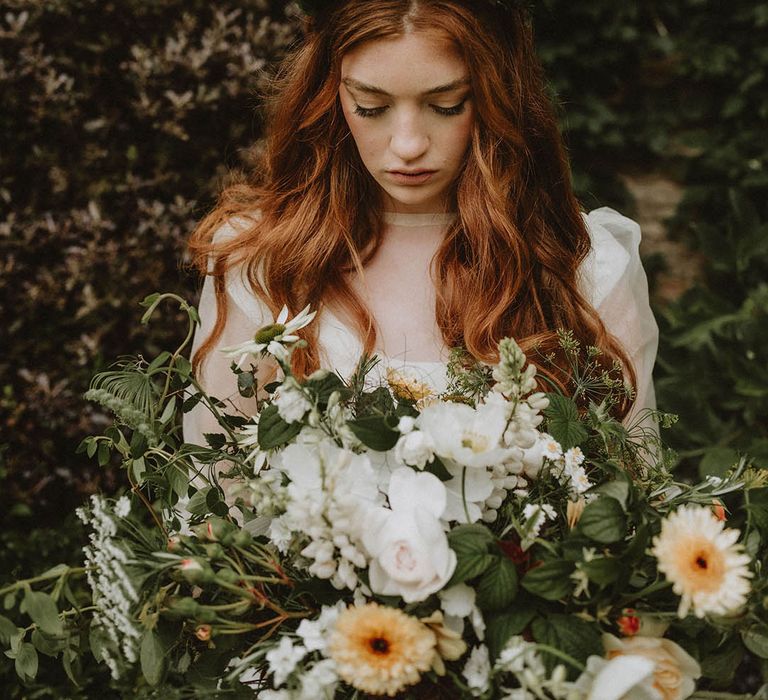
x=273, y=337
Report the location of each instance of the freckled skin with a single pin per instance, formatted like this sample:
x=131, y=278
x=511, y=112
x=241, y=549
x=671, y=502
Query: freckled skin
x=410, y=132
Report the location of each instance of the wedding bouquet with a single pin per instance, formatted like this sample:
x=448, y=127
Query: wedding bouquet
x=360, y=539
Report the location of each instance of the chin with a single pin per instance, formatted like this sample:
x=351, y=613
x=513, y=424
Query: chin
x=430, y=200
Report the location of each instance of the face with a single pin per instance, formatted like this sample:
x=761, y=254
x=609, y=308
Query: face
x=408, y=106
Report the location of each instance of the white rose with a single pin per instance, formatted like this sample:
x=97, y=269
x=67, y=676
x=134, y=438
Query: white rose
x=414, y=448
x=408, y=547
x=621, y=678
x=674, y=669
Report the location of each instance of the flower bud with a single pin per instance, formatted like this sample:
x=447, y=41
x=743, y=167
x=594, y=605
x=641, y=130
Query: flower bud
x=203, y=632
x=196, y=570
x=183, y=607
x=213, y=529
x=214, y=551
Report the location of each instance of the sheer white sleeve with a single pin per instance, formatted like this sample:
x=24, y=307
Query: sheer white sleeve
x=614, y=282
x=245, y=315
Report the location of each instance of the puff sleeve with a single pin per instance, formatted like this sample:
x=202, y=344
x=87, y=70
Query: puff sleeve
x=246, y=313
x=614, y=282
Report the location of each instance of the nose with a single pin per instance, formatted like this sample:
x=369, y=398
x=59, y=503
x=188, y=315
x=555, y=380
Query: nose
x=409, y=139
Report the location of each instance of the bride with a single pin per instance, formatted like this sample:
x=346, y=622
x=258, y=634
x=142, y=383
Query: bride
x=415, y=191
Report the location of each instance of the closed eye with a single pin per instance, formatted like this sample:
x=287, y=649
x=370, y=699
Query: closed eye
x=445, y=111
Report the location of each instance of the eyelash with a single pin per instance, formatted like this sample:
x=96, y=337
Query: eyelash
x=444, y=111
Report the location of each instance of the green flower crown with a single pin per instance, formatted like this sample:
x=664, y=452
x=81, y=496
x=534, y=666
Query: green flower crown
x=315, y=7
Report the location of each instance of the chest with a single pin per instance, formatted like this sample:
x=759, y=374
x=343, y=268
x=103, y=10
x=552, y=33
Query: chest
x=399, y=291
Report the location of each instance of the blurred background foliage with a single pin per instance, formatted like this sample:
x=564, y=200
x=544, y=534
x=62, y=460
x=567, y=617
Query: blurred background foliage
x=122, y=119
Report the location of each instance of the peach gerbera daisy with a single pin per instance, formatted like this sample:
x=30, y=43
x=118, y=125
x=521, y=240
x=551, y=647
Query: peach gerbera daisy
x=707, y=568
x=380, y=650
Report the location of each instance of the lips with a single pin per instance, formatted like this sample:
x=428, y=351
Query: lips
x=410, y=177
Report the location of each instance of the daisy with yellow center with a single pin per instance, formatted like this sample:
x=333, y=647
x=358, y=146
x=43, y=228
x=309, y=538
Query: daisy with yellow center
x=380, y=650
x=707, y=568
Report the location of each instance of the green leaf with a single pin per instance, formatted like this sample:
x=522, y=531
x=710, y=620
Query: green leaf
x=191, y=402
x=325, y=386
x=44, y=645
x=215, y=440
x=26, y=662
x=152, y=658
x=198, y=502
x=184, y=367
x=138, y=469
x=246, y=384
x=571, y=635
x=472, y=546
x=756, y=640
x=551, y=580
x=497, y=587
x=723, y=662
x=7, y=630
x=98, y=641
x=602, y=570
x=159, y=361
x=374, y=432
x=563, y=421
x=603, y=521
x=168, y=411
x=43, y=611
x=103, y=454
x=618, y=488
x=178, y=481
x=499, y=627
x=274, y=431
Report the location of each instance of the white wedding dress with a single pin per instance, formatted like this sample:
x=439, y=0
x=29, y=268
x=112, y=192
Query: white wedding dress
x=611, y=277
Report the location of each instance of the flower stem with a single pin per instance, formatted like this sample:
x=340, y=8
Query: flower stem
x=42, y=577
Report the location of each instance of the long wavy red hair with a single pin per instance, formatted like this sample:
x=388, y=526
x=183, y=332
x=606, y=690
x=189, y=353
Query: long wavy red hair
x=508, y=264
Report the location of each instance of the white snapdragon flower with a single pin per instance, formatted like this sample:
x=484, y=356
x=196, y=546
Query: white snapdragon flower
x=283, y=658
x=314, y=633
x=291, y=401
x=406, y=542
x=330, y=489
x=477, y=670
x=319, y=682
x=272, y=338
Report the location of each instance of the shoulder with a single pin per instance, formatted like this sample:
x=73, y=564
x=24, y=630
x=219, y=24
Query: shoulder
x=238, y=285
x=615, y=242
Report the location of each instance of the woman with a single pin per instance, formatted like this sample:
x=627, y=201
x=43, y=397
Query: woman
x=415, y=191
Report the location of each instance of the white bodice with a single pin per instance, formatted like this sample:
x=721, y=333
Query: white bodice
x=611, y=278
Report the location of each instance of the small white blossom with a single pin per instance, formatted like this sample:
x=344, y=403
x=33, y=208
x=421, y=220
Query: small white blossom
x=292, y=404
x=319, y=682
x=477, y=670
x=283, y=658
x=123, y=507
x=414, y=448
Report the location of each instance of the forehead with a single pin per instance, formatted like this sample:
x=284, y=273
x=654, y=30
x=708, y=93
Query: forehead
x=406, y=65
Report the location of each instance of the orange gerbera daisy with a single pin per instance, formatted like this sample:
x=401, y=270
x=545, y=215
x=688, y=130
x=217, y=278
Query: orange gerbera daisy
x=380, y=650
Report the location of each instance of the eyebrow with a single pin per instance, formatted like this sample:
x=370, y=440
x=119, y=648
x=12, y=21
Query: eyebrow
x=373, y=90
